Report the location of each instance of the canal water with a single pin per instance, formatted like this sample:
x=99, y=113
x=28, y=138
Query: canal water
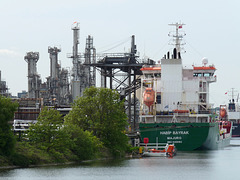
x=219, y=164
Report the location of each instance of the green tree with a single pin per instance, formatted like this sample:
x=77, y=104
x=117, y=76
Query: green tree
x=48, y=133
x=84, y=145
x=7, y=139
x=100, y=111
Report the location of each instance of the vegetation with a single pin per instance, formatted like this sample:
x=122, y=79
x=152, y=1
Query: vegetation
x=48, y=133
x=101, y=112
x=7, y=139
x=83, y=144
x=94, y=128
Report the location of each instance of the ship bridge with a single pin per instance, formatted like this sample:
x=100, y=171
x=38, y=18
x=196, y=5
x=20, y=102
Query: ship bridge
x=205, y=73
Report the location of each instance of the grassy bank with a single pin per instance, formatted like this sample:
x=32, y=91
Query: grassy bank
x=27, y=155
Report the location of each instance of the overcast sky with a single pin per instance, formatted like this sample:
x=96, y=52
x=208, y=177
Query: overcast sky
x=212, y=30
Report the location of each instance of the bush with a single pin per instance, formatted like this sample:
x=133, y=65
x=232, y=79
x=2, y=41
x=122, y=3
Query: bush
x=35, y=156
x=4, y=161
x=83, y=144
x=19, y=160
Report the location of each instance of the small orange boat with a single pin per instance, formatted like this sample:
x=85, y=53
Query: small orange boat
x=169, y=151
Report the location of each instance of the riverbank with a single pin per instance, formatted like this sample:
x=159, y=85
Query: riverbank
x=27, y=155
x=43, y=165
x=69, y=163
x=215, y=164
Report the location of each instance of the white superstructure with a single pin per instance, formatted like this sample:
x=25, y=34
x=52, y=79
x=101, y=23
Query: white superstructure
x=177, y=88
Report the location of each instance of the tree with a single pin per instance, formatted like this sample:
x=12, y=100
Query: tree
x=7, y=139
x=84, y=145
x=101, y=111
x=48, y=133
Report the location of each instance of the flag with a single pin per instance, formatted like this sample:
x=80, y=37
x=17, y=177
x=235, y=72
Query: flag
x=225, y=92
x=180, y=26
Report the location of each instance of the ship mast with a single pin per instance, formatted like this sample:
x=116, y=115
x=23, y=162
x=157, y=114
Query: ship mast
x=233, y=96
x=177, y=36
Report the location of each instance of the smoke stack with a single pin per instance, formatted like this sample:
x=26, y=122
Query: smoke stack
x=174, y=53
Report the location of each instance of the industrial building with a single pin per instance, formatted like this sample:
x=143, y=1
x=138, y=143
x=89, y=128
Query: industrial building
x=63, y=86
x=60, y=89
x=3, y=87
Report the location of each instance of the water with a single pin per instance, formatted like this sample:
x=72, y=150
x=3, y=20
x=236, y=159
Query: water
x=220, y=164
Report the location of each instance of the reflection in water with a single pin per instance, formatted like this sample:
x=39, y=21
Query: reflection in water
x=220, y=164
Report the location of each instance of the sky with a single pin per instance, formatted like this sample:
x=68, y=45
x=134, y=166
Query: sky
x=212, y=32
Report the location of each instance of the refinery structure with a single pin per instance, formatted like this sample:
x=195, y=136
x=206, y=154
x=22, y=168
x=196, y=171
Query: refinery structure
x=119, y=71
x=3, y=87
x=63, y=86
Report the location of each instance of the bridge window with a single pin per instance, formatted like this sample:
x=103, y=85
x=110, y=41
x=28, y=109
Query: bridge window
x=149, y=75
x=157, y=75
x=197, y=75
x=158, y=98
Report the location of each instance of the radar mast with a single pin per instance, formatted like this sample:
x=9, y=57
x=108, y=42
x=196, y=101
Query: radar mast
x=177, y=36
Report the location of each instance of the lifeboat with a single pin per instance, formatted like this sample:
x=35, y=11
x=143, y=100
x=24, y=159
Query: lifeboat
x=223, y=112
x=180, y=111
x=149, y=97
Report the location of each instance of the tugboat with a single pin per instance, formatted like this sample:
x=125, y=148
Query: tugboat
x=174, y=104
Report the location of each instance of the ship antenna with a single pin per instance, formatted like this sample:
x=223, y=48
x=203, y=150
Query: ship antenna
x=177, y=37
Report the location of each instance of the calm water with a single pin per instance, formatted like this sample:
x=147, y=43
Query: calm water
x=221, y=164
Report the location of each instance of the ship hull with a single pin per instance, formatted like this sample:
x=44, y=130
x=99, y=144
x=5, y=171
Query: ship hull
x=185, y=136
x=236, y=129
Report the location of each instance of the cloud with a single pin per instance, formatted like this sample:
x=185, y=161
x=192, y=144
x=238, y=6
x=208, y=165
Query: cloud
x=8, y=52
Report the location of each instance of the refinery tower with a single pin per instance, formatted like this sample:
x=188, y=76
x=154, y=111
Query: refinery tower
x=83, y=75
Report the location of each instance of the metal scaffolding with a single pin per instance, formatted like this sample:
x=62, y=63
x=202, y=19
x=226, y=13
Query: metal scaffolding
x=90, y=57
x=126, y=66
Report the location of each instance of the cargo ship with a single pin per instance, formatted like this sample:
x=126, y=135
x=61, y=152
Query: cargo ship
x=174, y=104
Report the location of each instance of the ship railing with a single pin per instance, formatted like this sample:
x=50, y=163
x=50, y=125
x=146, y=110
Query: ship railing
x=153, y=145
x=209, y=79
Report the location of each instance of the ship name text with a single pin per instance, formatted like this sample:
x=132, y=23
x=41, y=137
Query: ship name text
x=174, y=132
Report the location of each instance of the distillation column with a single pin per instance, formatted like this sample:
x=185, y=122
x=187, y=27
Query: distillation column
x=76, y=91
x=90, y=57
x=33, y=78
x=54, y=74
x=64, y=87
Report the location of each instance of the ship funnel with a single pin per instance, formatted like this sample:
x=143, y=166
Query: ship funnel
x=179, y=55
x=174, y=53
x=168, y=55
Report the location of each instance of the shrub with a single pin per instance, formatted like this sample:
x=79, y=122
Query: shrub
x=19, y=160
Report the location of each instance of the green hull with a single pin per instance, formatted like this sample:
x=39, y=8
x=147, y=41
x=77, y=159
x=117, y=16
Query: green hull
x=185, y=136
